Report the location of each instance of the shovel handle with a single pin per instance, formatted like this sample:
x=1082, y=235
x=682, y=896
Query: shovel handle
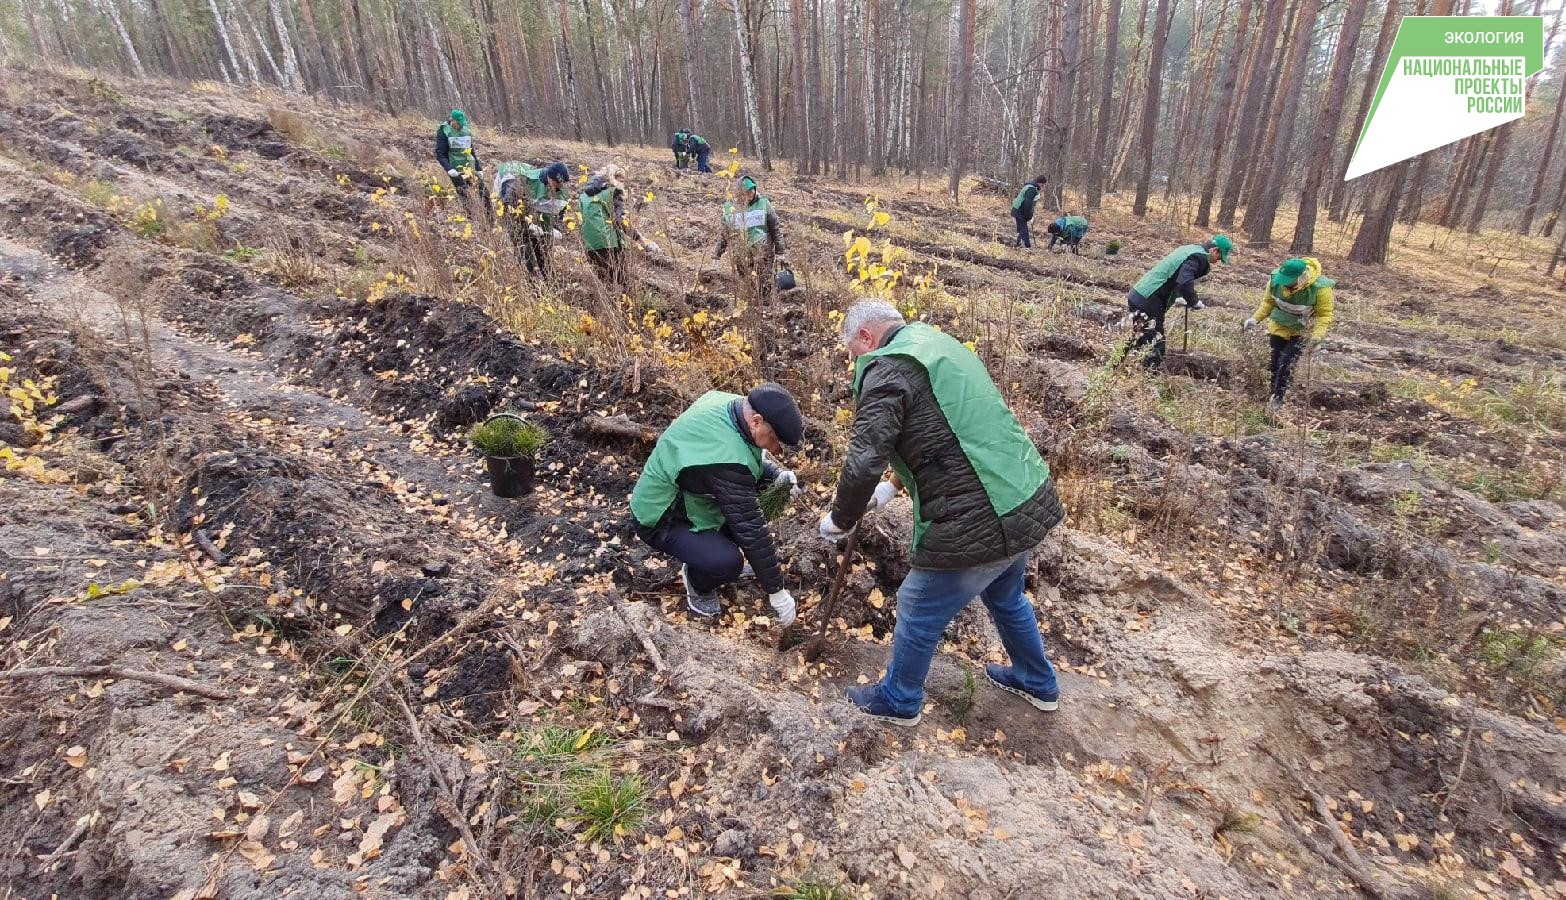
x=843, y=563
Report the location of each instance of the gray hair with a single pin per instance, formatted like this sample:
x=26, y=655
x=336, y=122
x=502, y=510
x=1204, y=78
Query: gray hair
x=869, y=312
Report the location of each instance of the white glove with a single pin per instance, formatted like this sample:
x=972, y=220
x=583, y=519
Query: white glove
x=453, y=173
x=650, y=247
x=829, y=530
x=884, y=492
x=783, y=605
x=555, y=233
x=788, y=477
x=1248, y=324
x=534, y=230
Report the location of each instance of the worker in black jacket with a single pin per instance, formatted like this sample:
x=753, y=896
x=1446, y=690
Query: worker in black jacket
x=698, y=496
x=455, y=153
x=982, y=499
x=1022, y=209
x=1173, y=279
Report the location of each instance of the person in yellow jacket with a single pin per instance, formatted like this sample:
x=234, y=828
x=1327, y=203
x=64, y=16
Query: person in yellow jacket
x=1298, y=311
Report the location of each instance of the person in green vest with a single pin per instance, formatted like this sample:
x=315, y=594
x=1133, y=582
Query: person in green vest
x=982, y=500
x=750, y=221
x=454, y=151
x=698, y=495
x=1022, y=209
x=605, y=228
x=1173, y=280
x=1069, y=229
x=1297, y=308
x=697, y=147
x=681, y=155
x=533, y=199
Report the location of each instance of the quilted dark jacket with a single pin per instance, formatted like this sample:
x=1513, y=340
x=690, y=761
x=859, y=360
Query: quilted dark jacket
x=897, y=412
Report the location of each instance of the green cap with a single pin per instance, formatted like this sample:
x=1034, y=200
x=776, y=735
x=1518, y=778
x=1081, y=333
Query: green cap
x=1289, y=272
x=460, y=116
x=1224, y=245
x=748, y=183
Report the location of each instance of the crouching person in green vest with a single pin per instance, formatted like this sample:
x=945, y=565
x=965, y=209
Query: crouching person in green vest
x=697, y=498
x=1173, y=280
x=750, y=221
x=982, y=499
x=533, y=200
x=1298, y=311
x=1069, y=229
x=605, y=229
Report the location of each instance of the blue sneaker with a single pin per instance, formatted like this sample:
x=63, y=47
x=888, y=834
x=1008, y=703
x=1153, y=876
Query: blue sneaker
x=867, y=699
x=1001, y=677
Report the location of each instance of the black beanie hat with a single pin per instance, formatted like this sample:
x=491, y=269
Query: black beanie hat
x=774, y=403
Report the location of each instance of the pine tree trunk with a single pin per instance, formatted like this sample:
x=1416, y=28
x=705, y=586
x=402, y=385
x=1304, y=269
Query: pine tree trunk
x=1338, y=205
x=568, y=71
x=1251, y=109
x=1226, y=89
x=598, y=71
x=1065, y=99
x=840, y=90
x=325, y=71
x=690, y=34
x=961, y=142
x=1150, y=104
x=1536, y=193
x=801, y=93
x=758, y=135
x=1325, y=134
x=1375, y=232
x=1097, y=164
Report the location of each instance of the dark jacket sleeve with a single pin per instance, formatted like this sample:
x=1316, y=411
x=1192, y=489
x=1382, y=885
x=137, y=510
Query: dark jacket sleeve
x=774, y=232
x=477, y=166
x=878, y=422
x=1193, y=268
x=733, y=488
x=442, y=149
x=1029, y=198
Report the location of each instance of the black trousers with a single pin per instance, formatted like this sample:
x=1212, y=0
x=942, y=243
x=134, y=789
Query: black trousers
x=1285, y=353
x=712, y=558
x=1024, y=237
x=609, y=265
x=1148, y=318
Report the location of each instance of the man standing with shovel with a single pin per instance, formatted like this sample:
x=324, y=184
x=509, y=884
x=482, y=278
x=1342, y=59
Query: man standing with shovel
x=982, y=499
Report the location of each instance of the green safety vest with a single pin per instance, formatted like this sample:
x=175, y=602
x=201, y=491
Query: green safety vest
x=698, y=142
x=599, y=229
x=1002, y=455
x=545, y=203
x=1016, y=202
x=753, y=221
x=703, y=435
x=1075, y=226
x=1166, y=269
x=460, y=146
x=1299, y=309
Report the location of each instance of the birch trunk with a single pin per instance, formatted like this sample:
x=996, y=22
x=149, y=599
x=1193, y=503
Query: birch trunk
x=112, y=8
x=758, y=135
x=286, y=43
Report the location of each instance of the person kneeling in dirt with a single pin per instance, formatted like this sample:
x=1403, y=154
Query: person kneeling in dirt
x=698, y=496
x=1172, y=280
x=605, y=227
x=1069, y=229
x=533, y=200
x=1298, y=311
x=454, y=151
x=1022, y=209
x=982, y=495
x=750, y=216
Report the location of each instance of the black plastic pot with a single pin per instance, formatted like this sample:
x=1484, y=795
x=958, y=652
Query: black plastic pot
x=510, y=476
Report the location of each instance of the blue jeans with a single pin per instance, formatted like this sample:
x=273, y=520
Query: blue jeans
x=1024, y=236
x=701, y=160
x=927, y=602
